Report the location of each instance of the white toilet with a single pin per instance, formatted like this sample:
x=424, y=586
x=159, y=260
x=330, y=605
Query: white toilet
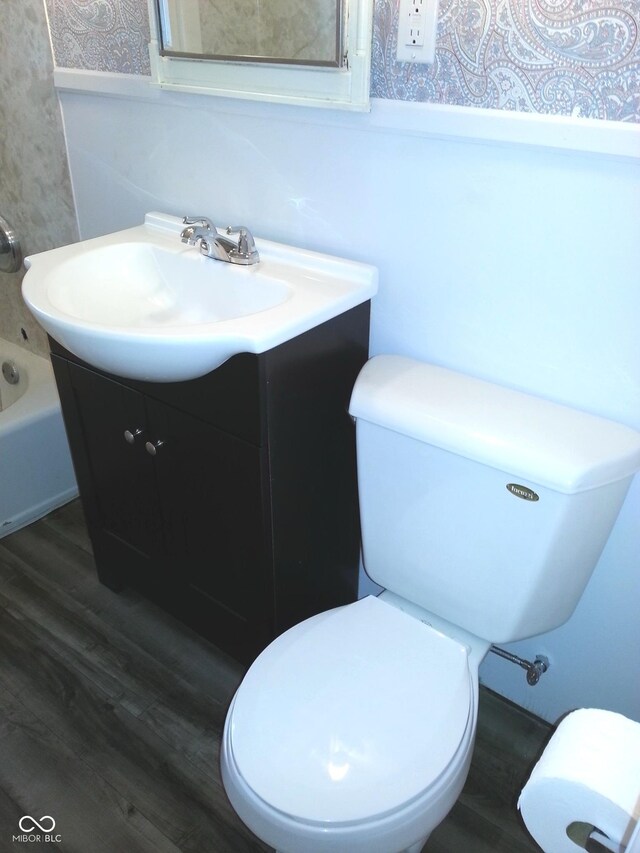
x=483, y=513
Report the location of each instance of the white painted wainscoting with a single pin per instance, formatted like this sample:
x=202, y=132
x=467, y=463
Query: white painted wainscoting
x=508, y=247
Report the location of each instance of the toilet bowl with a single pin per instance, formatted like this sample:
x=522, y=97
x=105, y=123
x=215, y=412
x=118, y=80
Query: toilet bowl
x=363, y=739
x=483, y=513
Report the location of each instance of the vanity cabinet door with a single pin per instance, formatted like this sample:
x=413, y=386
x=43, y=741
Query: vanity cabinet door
x=211, y=492
x=116, y=474
x=175, y=507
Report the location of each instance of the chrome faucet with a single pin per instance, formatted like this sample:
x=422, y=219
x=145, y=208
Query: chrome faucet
x=215, y=245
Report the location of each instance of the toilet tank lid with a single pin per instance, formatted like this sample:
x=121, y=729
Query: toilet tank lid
x=525, y=436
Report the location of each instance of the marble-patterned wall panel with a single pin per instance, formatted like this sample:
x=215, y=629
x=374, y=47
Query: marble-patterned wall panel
x=564, y=57
x=35, y=190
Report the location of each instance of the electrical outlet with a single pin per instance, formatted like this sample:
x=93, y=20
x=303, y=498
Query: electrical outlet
x=417, y=28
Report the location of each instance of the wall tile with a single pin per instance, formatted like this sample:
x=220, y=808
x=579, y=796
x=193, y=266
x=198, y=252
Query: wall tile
x=35, y=190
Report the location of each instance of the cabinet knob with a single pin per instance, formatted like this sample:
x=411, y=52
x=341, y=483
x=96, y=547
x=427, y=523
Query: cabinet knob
x=131, y=435
x=152, y=447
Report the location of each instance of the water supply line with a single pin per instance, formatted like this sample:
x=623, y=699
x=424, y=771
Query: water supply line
x=534, y=670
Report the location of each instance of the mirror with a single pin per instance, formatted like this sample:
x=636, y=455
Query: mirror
x=283, y=31
x=311, y=53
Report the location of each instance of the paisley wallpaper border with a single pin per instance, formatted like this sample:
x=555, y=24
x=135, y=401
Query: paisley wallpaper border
x=561, y=57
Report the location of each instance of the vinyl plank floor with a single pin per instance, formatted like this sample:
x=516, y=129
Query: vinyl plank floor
x=111, y=715
x=40, y=774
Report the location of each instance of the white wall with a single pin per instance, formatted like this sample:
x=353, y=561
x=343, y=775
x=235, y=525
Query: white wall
x=515, y=263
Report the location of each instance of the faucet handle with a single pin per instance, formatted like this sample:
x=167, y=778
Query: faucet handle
x=246, y=243
x=197, y=228
x=201, y=221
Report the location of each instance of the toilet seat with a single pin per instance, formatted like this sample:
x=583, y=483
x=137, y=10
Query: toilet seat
x=351, y=715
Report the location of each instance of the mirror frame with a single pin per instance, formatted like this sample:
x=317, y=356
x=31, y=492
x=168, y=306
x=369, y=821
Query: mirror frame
x=345, y=87
x=335, y=61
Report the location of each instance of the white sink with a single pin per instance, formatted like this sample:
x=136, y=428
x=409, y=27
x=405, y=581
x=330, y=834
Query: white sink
x=143, y=305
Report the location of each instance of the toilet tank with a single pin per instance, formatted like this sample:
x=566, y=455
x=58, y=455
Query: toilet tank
x=483, y=505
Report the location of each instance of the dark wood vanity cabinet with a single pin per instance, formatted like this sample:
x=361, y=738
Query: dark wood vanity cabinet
x=231, y=499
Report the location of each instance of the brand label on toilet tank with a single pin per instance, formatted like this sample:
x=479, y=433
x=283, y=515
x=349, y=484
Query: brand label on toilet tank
x=523, y=492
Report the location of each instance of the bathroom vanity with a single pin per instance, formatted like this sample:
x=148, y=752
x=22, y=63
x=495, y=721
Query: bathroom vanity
x=219, y=477
x=229, y=499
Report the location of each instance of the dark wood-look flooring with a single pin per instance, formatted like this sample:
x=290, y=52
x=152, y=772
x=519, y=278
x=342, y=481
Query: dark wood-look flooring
x=111, y=714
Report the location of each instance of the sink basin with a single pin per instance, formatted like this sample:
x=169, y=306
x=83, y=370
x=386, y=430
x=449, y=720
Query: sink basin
x=139, y=284
x=143, y=305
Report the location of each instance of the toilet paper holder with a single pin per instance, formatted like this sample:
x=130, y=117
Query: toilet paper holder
x=593, y=840
x=583, y=792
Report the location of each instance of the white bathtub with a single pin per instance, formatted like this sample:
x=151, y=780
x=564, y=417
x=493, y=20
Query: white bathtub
x=36, y=473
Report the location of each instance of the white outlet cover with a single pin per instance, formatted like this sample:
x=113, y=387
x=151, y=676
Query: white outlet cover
x=412, y=13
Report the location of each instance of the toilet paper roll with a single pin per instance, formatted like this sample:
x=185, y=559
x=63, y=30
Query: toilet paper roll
x=590, y=773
